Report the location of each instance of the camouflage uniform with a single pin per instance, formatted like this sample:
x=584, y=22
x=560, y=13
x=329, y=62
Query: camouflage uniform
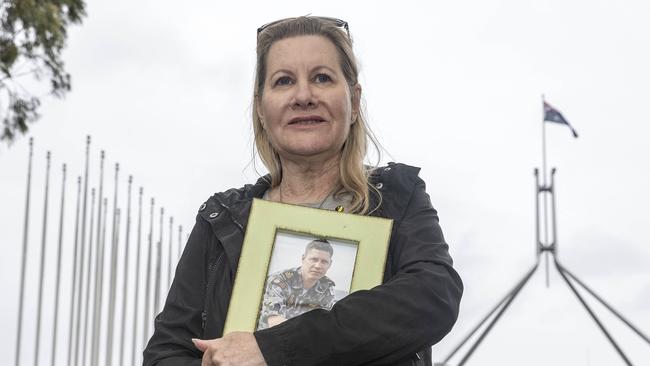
x=285, y=296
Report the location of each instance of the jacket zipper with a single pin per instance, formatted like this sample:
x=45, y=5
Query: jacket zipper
x=212, y=279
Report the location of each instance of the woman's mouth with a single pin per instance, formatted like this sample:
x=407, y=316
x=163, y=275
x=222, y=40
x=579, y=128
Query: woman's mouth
x=306, y=120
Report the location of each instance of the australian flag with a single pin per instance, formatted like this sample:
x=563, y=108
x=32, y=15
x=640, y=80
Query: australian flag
x=553, y=115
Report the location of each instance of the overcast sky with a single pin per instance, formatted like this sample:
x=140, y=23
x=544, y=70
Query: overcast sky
x=453, y=87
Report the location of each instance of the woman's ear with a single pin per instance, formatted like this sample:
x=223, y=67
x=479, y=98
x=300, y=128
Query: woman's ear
x=356, y=101
x=259, y=110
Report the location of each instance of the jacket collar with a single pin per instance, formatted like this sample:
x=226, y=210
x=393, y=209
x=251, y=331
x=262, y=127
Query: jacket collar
x=227, y=213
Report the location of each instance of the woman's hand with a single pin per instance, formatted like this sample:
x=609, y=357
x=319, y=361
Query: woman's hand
x=234, y=349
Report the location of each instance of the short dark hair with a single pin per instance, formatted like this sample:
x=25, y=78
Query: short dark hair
x=320, y=244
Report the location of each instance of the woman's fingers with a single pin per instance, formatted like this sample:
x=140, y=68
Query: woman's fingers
x=209, y=347
x=201, y=344
x=239, y=348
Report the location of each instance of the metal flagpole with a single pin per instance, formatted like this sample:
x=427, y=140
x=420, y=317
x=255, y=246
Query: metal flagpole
x=156, y=289
x=84, y=346
x=58, y=269
x=538, y=242
x=100, y=289
x=543, y=142
x=24, y=256
x=126, y=270
x=74, y=273
x=81, y=254
x=118, y=228
x=180, y=240
x=42, y=266
x=545, y=198
x=136, y=292
x=147, y=292
x=553, y=243
x=99, y=260
x=169, y=253
x=118, y=218
x=113, y=272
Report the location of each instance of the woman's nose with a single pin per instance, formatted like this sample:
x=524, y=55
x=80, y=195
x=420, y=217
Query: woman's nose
x=304, y=95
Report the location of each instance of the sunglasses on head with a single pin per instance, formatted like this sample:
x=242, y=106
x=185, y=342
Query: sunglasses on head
x=337, y=22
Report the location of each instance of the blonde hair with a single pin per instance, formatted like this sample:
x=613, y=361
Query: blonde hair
x=352, y=171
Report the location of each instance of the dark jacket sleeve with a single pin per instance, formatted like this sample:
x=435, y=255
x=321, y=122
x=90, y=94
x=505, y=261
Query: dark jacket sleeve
x=181, y=318
x=414, y=309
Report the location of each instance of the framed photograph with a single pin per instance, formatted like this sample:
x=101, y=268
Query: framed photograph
x=296, y=259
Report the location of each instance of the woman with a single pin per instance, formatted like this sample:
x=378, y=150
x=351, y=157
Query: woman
x=311, y=135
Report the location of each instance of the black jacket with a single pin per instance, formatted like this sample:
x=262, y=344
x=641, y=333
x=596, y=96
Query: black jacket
x=392, y=324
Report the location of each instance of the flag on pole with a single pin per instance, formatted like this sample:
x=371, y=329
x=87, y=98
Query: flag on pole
x=553, y=115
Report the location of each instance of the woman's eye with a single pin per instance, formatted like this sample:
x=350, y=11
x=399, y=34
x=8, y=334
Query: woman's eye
x=323, y=78
x=284, y=80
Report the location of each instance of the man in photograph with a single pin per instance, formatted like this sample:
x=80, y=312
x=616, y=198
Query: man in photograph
x=294, y=291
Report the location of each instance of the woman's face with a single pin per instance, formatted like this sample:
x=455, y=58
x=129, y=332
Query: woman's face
x=306, y=107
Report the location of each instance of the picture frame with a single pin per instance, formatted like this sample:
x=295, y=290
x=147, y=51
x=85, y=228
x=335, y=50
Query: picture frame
x=270, y=222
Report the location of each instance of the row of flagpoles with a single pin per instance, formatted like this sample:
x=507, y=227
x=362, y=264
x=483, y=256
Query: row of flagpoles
x=95, y=248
